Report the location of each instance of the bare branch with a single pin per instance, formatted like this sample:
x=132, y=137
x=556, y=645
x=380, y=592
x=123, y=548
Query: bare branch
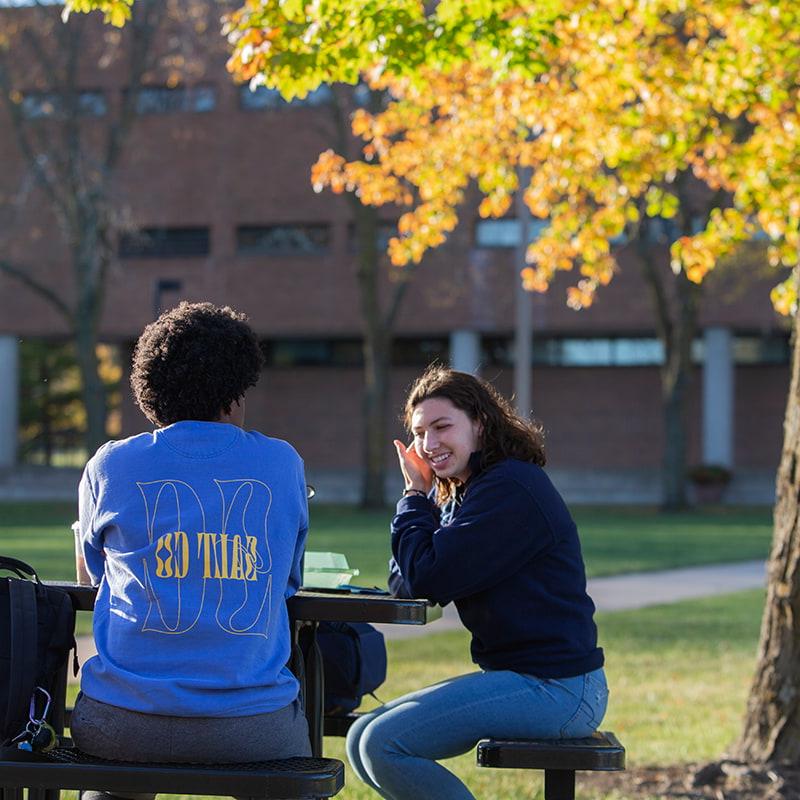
x=142, y=27
x=41, y=289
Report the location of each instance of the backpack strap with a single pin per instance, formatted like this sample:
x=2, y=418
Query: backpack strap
x=23, y=628
x=19, y=568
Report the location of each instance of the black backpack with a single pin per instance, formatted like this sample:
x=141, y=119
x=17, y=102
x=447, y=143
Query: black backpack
x=354, y=660
x=37, y=631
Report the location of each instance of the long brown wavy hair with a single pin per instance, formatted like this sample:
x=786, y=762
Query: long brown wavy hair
x=504, y=434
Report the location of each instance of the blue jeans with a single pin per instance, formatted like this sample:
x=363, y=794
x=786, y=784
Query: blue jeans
x=395, y=748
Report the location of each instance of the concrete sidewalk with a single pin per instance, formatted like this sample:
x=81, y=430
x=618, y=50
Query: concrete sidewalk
x=615, y=593
x=636, y=590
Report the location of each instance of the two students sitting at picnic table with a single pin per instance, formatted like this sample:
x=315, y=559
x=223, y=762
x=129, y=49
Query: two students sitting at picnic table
x=194, y=533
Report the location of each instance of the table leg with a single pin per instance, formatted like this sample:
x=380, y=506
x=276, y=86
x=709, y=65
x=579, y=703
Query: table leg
x=314, y=684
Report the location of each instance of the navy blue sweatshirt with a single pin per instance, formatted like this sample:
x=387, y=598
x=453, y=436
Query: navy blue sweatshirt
x=508, y=555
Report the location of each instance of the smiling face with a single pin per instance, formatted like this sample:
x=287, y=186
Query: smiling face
x=444, y=437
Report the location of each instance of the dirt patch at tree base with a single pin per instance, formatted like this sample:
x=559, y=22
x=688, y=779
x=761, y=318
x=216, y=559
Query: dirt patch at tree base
x=720, y=780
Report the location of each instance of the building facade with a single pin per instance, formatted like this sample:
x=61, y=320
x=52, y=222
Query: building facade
x=213, y=201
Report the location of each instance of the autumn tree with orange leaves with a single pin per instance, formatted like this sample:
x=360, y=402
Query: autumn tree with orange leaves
x=618, y=106
x=661, y=109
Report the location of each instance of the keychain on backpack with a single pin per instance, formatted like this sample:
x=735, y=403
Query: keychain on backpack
x=39, y=736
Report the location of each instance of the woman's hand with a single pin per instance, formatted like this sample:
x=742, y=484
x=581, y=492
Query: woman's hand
x=416, y=472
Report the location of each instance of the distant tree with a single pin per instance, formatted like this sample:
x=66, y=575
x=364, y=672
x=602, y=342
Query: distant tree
x=42, y=79
x=379, y=308
x=52, y=415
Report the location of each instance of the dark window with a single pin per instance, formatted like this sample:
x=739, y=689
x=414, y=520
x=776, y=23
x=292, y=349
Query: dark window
x=263, y=98
x=166, y=100
x=349, y=352
x=419, y=352
x=385, y=231
x=313, y=353
x=40, y=105
x=283, y=240
x=165, y=243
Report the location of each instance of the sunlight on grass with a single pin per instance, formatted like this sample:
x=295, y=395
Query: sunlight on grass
x=615, y=540
x=679, y=676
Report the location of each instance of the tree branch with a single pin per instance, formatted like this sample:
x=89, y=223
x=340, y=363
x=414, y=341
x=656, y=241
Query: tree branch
x=664, y=321
x=41, y=289
x=142, y=29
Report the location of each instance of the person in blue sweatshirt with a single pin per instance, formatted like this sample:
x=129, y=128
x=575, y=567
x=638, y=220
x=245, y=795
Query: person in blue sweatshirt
x=193, y=534
x=481, y=525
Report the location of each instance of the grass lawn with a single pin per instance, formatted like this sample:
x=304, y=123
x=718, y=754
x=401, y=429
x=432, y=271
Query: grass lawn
x=679, y=676
x=615, y=540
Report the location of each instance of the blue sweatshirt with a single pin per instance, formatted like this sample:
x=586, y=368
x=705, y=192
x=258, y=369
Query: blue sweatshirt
x=507, y=553
x=194, y=534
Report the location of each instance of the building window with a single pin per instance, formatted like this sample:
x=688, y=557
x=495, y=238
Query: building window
x=385, y=231
x=283, y=240
x=263, y=98
x=419, y=352
x=165, y=243
x=312, y=353
x=40, y=105
x=349, y=352
x=504, y=233
x=580, y=352
x=166, y=100
x=625, y=351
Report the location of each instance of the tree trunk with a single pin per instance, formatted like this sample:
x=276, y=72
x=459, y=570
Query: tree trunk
x=676, y=379
x=377, y=360
x=377, y=345
x=772, y=725
x=92, y=389
x=90, y=264
x=676, y=323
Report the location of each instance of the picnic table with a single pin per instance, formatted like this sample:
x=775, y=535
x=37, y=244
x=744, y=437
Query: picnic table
x=307, y=609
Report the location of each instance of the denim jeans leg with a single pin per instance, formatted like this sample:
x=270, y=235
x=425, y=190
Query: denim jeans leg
x=395, y=748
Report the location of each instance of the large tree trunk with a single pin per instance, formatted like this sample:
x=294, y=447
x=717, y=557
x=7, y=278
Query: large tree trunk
x=772, y=725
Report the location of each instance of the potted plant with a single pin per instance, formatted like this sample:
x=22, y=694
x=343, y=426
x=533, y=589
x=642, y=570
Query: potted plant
x=709, y=482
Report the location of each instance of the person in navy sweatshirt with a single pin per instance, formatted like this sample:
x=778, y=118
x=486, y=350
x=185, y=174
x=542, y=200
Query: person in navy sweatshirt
x=481, y=525
x=194, y=534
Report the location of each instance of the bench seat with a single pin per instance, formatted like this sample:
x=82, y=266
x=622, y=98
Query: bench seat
x=69, y=768
x=559, y=758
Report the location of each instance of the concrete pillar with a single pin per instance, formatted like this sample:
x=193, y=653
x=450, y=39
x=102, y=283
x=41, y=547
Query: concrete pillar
x=9, y=399
x=465, y=351
x=718, y=377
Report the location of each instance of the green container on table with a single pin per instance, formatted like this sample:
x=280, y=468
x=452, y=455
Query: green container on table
x=326, y=570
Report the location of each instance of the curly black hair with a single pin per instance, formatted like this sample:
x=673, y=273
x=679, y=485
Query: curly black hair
x=194, y=362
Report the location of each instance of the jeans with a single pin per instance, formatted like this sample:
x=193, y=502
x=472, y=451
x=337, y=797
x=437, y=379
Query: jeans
x=395, y=748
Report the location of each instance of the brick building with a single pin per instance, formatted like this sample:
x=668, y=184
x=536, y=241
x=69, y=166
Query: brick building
x=215, y=203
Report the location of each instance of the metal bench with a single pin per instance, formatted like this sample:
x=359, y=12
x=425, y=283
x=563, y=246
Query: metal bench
x=44, y=775
x=559, y=758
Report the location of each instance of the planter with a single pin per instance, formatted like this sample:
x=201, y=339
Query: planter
x=709, y=494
